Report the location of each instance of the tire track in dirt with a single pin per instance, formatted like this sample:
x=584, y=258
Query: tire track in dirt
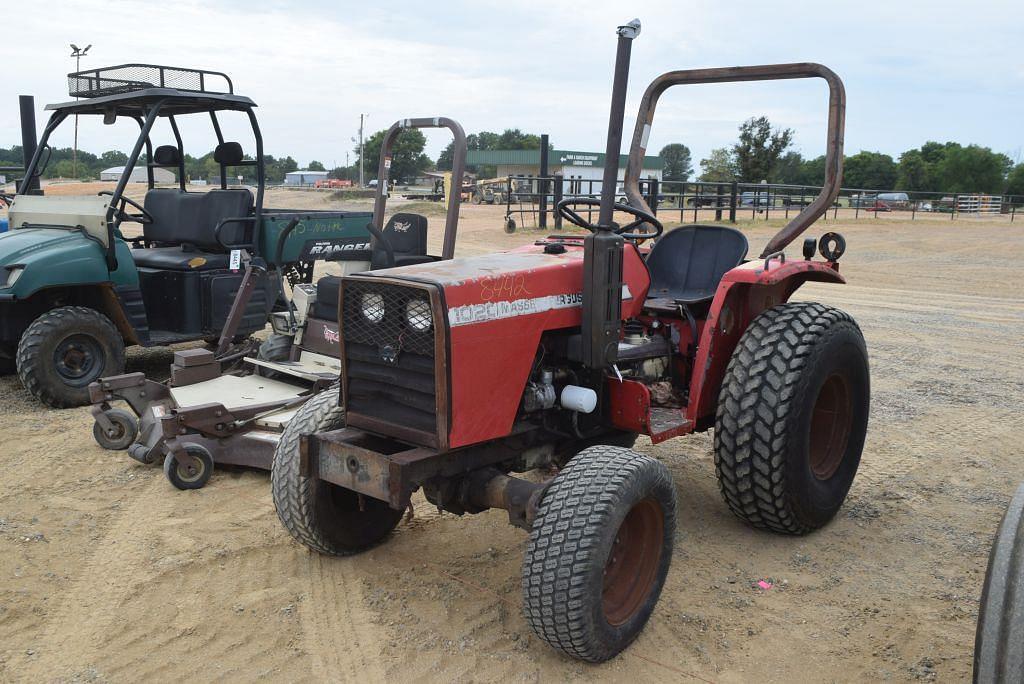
x=150, y=586
x=337, y=628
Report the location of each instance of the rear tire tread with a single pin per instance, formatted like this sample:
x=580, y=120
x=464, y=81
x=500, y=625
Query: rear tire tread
x=762, y=377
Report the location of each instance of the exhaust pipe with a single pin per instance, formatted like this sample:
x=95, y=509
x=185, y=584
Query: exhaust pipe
x=602, y=249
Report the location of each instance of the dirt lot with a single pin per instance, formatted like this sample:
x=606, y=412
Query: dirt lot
x=110, y=574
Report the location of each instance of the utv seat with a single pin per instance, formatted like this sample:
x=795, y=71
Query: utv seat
x=407, y=235
x=686, y=264
x=183, y=231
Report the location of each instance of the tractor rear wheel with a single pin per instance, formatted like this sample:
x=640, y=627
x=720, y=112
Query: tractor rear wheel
x=599, y=550
x=64, y=350
x=792, y=415
x=323, y=516
x=997, y=653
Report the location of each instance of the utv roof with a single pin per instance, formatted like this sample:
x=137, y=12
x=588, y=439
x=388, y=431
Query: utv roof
x=131, y=89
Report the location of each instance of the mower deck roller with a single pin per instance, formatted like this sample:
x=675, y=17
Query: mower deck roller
x=457, y=376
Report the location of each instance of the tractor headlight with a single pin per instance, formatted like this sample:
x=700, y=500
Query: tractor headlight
x=373, y=307
x=417, y=314
x=13, y=275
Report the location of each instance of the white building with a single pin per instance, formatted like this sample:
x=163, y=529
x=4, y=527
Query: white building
x=138, y=175
x=304, y=177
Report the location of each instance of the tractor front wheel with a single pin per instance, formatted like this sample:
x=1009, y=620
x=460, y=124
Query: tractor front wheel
x=64, y=350
x=323, y=516
x=599, y=550
x=792, y=415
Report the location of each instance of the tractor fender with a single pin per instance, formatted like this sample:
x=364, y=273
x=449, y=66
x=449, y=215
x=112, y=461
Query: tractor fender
x=742, y=294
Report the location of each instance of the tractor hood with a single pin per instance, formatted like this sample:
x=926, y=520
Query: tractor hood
x=498, y=306
x=32, y=259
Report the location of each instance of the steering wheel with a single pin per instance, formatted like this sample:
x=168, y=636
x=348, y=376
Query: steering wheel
x=629, y=231
x=378, y=235
x=143, y=217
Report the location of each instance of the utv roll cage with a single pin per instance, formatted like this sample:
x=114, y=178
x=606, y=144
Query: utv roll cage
x=144, y=93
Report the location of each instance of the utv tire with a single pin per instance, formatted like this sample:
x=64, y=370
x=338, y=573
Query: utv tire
x=277, y=347
x=189, y=477
x=64, y=350
x=997, y=645
x=599, y=550
x=323, y=516
x=792, y=415
x=126, y=429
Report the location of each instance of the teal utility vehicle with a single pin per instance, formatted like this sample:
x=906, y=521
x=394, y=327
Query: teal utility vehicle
x=209, y=264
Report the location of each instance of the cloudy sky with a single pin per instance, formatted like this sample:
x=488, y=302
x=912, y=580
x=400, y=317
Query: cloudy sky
x=914, y=71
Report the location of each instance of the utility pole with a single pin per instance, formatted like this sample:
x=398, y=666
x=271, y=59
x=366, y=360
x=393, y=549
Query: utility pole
x=362, y=183
x=77, y=53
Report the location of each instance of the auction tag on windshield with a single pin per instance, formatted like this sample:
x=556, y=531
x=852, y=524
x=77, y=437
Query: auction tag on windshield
x=236, y=259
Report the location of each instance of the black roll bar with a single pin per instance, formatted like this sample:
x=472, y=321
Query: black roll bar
x=458, y=171
x=764, y=72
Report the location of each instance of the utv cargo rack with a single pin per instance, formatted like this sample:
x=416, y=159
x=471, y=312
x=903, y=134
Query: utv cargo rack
x=129, y=78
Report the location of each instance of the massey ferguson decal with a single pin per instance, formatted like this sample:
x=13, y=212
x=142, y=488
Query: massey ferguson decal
x=467, y=314
x=493, y=311
x=355, y=249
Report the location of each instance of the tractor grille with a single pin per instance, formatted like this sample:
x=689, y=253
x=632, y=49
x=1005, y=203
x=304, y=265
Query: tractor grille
x=389, y=358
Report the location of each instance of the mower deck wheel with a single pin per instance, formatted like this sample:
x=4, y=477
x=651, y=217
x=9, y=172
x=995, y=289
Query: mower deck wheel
x=792, y=416
x=126, y=429
x=323, y=516
x=189, y=476
x=599, y=551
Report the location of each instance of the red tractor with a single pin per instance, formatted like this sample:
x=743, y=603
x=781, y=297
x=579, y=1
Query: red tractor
x=554, y=357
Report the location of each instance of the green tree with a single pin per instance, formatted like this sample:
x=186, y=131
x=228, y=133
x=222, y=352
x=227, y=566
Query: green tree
x=972, y=169
x=914, y=173
x=788, y=169
x=407, y=157
x=720, y=166
x=113, y=158
x=315, y=166
x=759, y=148
x=869, y=171
x=678, y=162
x=1015, y=181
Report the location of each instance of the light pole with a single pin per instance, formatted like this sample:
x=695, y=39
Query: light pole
x=78, y=53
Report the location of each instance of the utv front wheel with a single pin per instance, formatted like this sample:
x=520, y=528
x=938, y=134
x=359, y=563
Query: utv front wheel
x=792, y=415
x=323, y=516
x=64, y=350
x=599, y=551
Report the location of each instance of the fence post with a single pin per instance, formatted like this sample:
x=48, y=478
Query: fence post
x=542, y=185
x=718, y=202
x=652, y=195
x=558, y=189
x=732, y=202
x=956, y=206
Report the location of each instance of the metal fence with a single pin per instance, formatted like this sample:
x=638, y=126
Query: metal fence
x=530, y=201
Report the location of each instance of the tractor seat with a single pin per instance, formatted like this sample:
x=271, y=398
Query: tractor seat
x=407, y=235
x=686, y=264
